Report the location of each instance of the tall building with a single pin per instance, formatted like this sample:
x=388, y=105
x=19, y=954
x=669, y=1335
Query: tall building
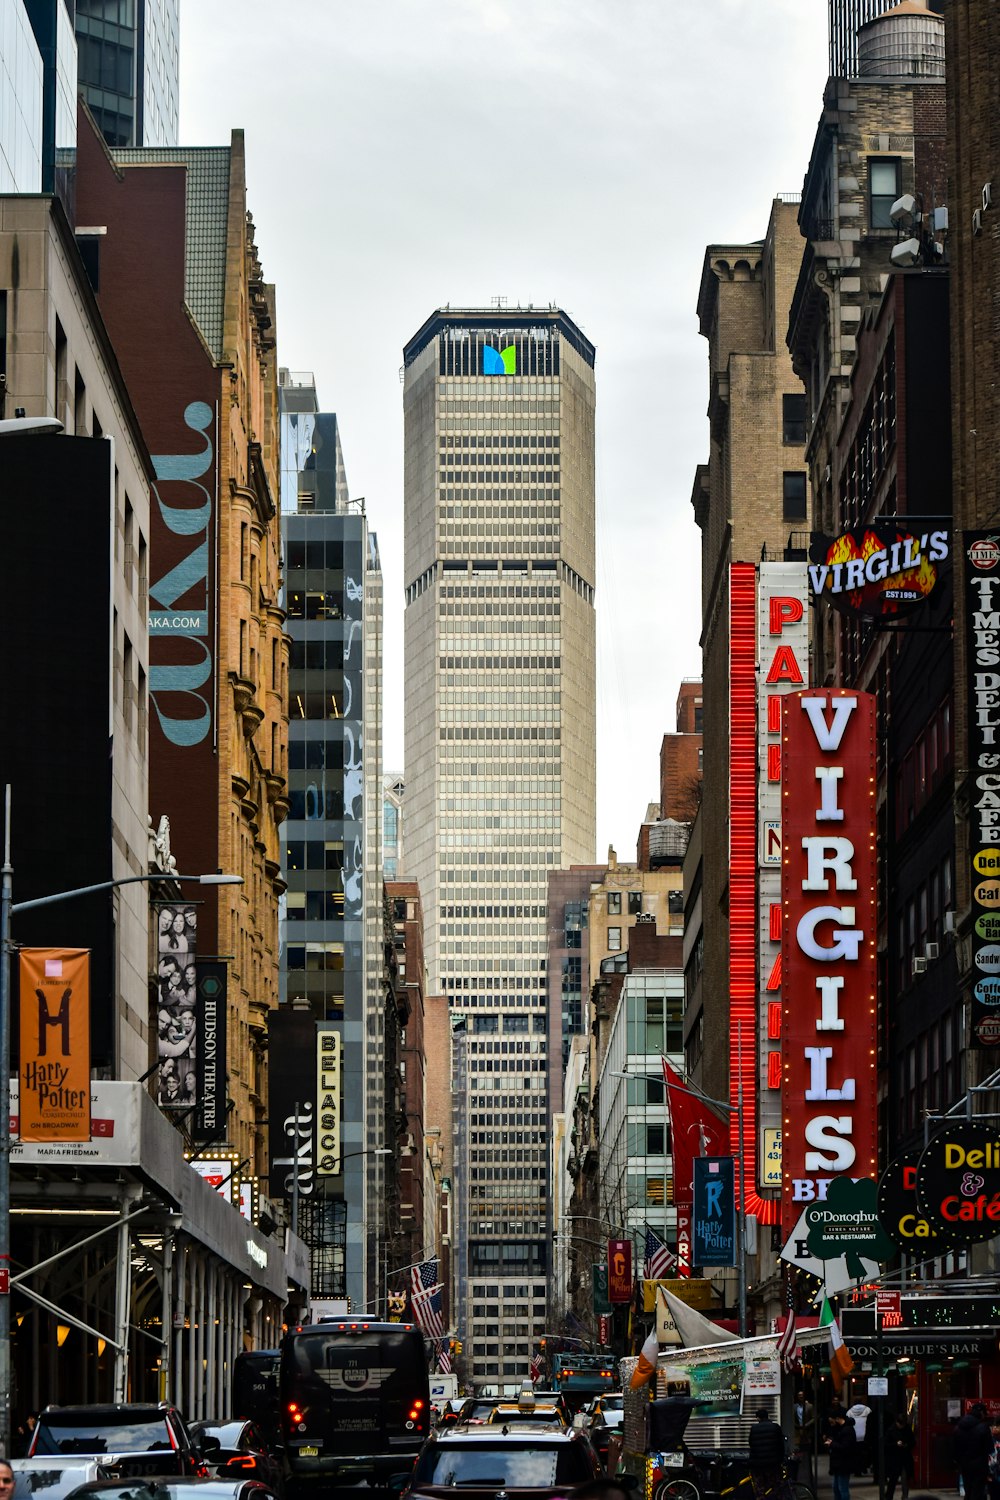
x=129, y=68
x=182, y=292
x=332, y=940
x=500, y=752
x=393, y=790
x=38, y=81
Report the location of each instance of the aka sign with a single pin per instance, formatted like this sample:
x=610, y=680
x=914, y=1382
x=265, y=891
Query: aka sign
x=828, y=943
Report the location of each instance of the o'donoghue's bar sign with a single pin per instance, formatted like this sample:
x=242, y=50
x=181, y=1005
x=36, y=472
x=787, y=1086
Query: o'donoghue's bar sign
x=982, y=640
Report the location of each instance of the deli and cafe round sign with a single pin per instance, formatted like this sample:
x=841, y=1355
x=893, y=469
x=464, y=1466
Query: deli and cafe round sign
x=899, y=1212
x=958, y=1181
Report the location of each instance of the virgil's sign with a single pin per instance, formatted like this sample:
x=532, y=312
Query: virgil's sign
x=714, y=1241
x=879, y=570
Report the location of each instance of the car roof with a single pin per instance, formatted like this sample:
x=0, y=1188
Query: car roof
x=488, y=1434
x=206, y=1487
x=59, y=1461
x=105, y=1408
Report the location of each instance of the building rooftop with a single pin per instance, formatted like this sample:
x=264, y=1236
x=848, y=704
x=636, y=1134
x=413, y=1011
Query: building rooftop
x=520, y=318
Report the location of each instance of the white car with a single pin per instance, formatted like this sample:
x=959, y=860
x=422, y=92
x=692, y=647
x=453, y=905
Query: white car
x=53, y=1477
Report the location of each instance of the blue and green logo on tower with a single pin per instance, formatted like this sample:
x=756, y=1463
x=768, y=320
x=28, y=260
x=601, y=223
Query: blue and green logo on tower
x=500, y=361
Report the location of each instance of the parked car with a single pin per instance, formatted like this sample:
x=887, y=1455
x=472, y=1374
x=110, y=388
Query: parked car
x=454, y=1410
x=603, y=1426
x=238, y=1450
x=169, y=1488
x=143, y=1438
x=54, y=1478
x=528, y=1462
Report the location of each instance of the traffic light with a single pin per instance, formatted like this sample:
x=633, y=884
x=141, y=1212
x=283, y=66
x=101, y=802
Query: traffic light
x=458, y=1346
x=541, y=1343
x=451, y=1346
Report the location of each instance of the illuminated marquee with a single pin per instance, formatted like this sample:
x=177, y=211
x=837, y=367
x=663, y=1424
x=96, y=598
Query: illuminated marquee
x=783, y=667
x=328, y=1055
x=828, y=943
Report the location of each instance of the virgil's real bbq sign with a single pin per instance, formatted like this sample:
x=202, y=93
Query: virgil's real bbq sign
x=828, y=943
x=982, y=639
x=881, y=570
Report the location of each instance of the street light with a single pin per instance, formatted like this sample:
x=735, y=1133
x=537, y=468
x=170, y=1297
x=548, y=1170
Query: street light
x=9, y=908
x=731, y=1109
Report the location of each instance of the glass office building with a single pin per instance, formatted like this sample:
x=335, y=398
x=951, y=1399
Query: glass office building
x=331, y=929
x=500, y=752
x=129, y=68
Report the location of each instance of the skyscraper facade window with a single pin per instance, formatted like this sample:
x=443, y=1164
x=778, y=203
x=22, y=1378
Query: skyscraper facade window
x=129, y=68
x=500, y=751
x=331, y=934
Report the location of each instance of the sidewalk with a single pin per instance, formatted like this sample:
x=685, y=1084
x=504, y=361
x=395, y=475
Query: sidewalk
x=867, y=1488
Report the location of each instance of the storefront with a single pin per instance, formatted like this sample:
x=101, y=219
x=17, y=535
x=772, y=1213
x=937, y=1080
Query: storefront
x=133, y=1279
x=938, y=1360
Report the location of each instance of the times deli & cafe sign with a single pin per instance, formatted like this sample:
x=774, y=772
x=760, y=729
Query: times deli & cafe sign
x=982, y=642
x=958, y=1180
x=828, y=943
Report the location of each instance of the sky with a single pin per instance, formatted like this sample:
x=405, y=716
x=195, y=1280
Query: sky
x=404, y=154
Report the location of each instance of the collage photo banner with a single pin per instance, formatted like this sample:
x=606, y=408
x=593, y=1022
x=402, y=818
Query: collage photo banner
x=177, y=1006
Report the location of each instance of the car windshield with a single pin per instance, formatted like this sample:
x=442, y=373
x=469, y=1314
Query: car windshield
x=505, y=1466
x=93, y=1435
x=48, y=1484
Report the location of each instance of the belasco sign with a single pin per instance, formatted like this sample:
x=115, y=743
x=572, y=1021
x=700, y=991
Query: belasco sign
x=982, y=640
x=958, y=1181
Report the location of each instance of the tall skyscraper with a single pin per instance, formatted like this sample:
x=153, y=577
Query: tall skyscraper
x=500, y=753
x=129, y=68
x=331, y=931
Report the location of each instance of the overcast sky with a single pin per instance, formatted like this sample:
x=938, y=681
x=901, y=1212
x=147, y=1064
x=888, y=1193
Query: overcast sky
x=402, y=154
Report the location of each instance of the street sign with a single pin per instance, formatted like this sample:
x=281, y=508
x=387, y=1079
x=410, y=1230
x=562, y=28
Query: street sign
x=878, y=1385
x=4, y=1282
x=889, y=1307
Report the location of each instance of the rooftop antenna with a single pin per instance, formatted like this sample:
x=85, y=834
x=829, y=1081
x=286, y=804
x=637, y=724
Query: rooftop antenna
x=498, y=302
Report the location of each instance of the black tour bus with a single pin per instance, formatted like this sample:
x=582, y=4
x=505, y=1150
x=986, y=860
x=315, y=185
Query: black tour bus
x=355, y=1400
x=255, y=1390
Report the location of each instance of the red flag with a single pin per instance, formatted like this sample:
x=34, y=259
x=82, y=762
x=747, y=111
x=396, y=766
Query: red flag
x=695, y=1130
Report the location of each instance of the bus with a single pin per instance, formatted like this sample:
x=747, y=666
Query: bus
x=255, y=1390
x=355, y=1400
x=581, y=1377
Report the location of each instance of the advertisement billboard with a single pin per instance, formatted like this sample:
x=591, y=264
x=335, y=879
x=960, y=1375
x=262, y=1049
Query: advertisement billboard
x=743, y=875
x=714, y=1239
x=982, y=644
x=54, y=1067
x=177, y=1005
x=212, y=1017
x=291, y=1101
x=328, y=1064
x=829, y=967
x=619, y=1270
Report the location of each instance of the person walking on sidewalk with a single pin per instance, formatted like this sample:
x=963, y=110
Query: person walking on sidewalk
x=768, y=1451
x=841, y=1446
x=900, y=1441
x=973, y=1444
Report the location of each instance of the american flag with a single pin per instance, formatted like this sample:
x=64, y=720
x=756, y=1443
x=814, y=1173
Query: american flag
x=535, y=1367
x=425, y=1290
x=444, y=1358
x=786, y=1345
x=659, y=1260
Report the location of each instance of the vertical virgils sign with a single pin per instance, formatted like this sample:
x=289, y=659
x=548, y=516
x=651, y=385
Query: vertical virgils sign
x=328, y=1157
x=54, y=1071
x=829, y=969
x=982, y=642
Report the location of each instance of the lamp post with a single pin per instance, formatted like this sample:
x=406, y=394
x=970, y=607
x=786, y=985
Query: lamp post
x=730, y=1109
x=8, y=909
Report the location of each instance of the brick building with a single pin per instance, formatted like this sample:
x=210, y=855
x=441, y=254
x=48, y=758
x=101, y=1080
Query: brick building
x=192, y=322
x=680, y=757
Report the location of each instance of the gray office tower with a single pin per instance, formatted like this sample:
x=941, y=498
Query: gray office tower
x=331, y=928
x=500, y=756
x=129, y=68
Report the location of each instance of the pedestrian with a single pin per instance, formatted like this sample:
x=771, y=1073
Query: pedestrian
x=900, y=1441
x=841, y=1446
x=768, y=1451
x=836, y=1405
x=859, y=1414
x=993, y=1470
x=973, y=1445
x=6, y=1479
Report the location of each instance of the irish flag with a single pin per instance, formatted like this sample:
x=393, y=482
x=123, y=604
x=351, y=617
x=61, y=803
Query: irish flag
x=841, y=1363
x=646, y=1364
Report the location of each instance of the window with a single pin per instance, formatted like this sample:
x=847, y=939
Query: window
x=655, y=1144
x=614, y=903
x=883, y=189
x=614, y=939
x=634, y=903
x=793, y=419
x=794, y=496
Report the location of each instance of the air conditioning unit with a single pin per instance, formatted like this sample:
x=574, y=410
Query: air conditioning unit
x=977, y=221
x=920, y=966
x=931, y=951
x=949, y=924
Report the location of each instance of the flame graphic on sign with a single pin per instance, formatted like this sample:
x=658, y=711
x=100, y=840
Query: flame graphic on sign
x=909, y=585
